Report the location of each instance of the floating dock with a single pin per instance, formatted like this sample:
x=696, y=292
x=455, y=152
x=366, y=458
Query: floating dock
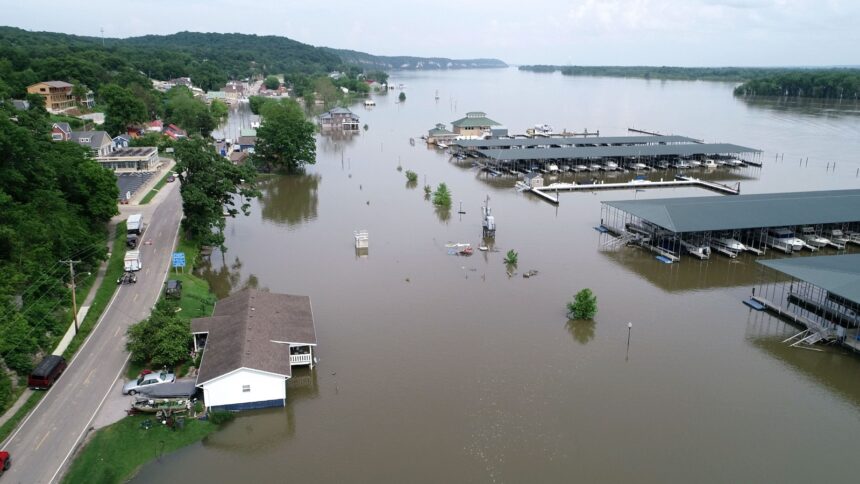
x=636, y=184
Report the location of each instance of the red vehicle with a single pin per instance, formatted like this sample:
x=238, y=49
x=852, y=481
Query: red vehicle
x=5, y=461
x=46, y=372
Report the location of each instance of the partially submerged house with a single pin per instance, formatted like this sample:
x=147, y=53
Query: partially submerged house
x=339, y=118
x=476, y=124
x=440, y=134
x=250, y=344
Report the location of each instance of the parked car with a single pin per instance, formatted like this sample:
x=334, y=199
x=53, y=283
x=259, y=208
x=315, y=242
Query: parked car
x=46, y=372
x=147, y=380
x=5, y=461
x=173, y=289
x=171, y=179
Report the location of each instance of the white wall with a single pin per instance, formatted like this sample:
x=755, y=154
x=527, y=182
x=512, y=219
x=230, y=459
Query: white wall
x=227, y=390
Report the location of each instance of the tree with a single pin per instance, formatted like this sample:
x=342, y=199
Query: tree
x=162, y=339
x=511, y=257
x=122, y=108
x=411, y=176
x=442, y=196
x=583, y=306
x=189, y=113
x=210, y=186
x=272, y=82
x=326, y=90
x=285, y=139
x=219, y=111
x=402, y=96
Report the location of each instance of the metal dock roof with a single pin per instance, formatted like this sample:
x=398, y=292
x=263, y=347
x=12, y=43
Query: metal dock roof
x=838, y=274
x=702, y=214
x=572, y=141
x=586, y=152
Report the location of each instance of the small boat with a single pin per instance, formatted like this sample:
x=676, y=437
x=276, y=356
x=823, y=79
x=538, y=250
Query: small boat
x=579, y=168
x=610, y=166
x=697, y=249
x=441, y=145
x=638, y=166
x=709, y=163
x=681, y=164
x=544, y=130
x=836, y=235
x=153, y=405
x=810, y=237
x=720, y=162
x=784, y=240
x=734, y=162
x=695, y=163
x=552, y=168
x=730, y=244
x=663, y=165
x=593, y=167
x=483, y=248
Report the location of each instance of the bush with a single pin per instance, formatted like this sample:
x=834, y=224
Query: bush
x=411, y=175
x=219, y=417
x=511, y=257
x=402, y=96
x=583, y=306
x=442, y=197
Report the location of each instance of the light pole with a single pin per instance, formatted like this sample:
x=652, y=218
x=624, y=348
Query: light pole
x=629, y=328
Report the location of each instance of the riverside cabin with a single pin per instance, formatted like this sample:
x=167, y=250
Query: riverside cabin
x=250, y=345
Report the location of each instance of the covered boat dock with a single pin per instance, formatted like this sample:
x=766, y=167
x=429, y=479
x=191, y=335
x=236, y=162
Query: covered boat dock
x=822, y=293
x=568, y=142
x=787, y=222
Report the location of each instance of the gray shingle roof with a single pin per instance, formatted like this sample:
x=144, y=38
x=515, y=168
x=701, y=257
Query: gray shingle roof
x=97, y=139
x=249, y=329
x=702, y=214
x=838, y=274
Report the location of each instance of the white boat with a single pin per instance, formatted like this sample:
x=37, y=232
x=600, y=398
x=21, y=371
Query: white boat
x=681, y=164
x=638, y=166
x=663, y=164
x=730, y=244
x=784, y=240
x=565, y=168
x=610, y=166
x=699, y=250
x=540, y=130
x=836, y=235
x=709, y=163
x=853, y=236
x=695, y=163
x=734, y=162
x=441, y=145
x=593, y=167
x=810, y=237
x=552, y=168
x=579, y=168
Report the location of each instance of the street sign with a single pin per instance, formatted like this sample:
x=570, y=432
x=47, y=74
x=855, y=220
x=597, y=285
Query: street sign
x=178, y=259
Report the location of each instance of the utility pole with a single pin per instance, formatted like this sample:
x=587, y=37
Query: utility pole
x=71, y=264
x=103, y=36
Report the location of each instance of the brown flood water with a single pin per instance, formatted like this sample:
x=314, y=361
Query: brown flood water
x=438, y=368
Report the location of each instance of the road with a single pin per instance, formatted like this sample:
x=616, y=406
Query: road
x=42, y=446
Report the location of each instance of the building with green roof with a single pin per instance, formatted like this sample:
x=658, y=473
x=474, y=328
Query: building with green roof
x=440, y=134
x=476, y=124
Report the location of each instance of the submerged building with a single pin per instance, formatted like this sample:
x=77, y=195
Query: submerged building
x=476, y=124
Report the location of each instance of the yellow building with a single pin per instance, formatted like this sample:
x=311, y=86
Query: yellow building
x=57, y=94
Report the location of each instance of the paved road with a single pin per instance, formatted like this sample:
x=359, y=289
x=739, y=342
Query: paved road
x=42, y=446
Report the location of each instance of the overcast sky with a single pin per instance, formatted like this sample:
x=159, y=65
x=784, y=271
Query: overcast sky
x=581, y=32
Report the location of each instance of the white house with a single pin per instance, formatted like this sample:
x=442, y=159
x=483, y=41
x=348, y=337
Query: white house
x=250, y=344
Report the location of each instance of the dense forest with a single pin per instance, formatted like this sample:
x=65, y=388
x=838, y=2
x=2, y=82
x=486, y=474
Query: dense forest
x=734, y=74
x=55, y=202
x=830, y=84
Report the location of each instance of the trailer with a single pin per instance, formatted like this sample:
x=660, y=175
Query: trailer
x=132, y=261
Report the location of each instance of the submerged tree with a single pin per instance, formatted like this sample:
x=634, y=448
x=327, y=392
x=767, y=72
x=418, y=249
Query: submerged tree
x=210, y=186
x=285, y=140
x=442, y=196
x=511, y=257
x=583, y=306
x=402, y=96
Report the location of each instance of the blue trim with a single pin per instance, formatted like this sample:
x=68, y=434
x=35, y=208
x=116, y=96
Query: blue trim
x=250, y=405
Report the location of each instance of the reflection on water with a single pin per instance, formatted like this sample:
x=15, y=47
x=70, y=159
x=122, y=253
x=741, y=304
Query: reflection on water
x=290, y=200
x=804, y=106
x=226, y=278
x=582, y=330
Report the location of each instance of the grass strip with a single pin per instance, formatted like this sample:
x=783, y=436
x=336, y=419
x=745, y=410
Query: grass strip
x=158, y=186
x=116, y=452
x=22, y=412
x=104, y=293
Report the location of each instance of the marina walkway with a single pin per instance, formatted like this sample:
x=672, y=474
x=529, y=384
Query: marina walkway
x=681, y=181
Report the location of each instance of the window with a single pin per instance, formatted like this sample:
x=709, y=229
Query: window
x=246, y=388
